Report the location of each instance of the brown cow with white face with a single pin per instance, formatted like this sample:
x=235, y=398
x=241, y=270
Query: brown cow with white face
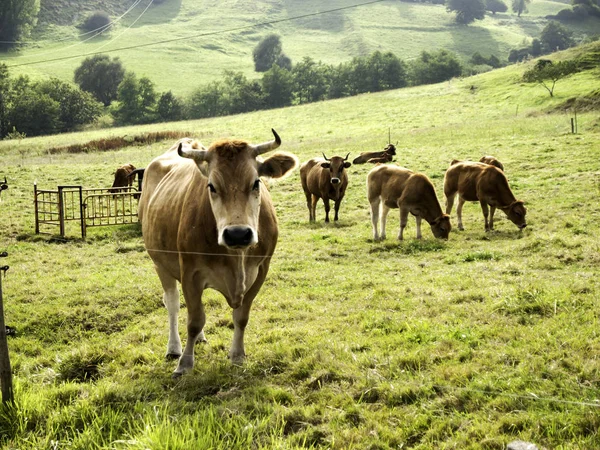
x=375, y=157
x=208, y=222
x=475, y=181
x=397, y=187
x=327, y=179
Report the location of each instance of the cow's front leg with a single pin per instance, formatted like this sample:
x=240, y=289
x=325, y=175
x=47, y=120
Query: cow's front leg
x=459, y=209
x=192, y=292
x=403, y=222
x=313, y=210
x=418, y=220
x=449, y=202
x=336, y=208
x=486, y=212
x=327, y=208
x=171, y=301
x=237, y=354
x=492, y=211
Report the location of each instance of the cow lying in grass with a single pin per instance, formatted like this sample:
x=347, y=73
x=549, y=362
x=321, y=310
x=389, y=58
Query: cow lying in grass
x=374, y=157
x=326, y=179
x=397, y=187
x=476, y=181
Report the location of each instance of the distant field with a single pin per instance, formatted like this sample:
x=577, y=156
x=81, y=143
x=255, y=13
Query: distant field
x=402, y=28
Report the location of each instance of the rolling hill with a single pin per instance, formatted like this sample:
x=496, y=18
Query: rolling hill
x=207, y=37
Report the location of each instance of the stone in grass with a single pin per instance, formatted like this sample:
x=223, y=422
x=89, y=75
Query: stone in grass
x=521, y=445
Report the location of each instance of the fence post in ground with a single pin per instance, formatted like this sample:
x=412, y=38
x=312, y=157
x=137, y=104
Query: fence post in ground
x=61, y=211
x=5, y=370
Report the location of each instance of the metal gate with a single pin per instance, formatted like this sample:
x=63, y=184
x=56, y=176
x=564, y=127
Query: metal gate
x=83, y=208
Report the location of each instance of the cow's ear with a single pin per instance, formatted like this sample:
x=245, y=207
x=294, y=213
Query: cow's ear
x=325, y=165
x=277, y=165
x=347, y=164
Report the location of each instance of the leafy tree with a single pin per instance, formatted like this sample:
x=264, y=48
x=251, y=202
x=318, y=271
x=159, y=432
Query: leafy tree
x=35, y=114
x=17, y=18
x=136, y=101
x=434, y=67
x=169, y=108
x=467, y=11
x=277, y=85
x=76, y=107
x=339, y=81
x=536, y=47
x=269, y=52
x=520, y=6
x=556, y=37
x=207, y=101
x=101, y=76
x=546, y=73
x=241, y=95
x=4, y=98
x=495, y=6
x=310, y=81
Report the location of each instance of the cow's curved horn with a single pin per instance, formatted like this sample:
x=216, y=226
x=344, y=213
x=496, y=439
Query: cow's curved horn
x=197, y=155
x=259, y=149
x=346, y=158
x=326, y=158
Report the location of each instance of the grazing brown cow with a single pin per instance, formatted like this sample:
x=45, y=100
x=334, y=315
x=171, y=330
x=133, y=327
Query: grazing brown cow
x=122, y=178
x=475, y=181
x=208, y=222
x=397, y=187
x=388, y=151
x=326, y=179
x=487, y=159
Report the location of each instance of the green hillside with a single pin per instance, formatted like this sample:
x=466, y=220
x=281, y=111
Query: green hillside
x=402, y=28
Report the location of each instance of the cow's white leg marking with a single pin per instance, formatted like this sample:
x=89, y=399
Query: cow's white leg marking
x=384, y=212
x=375, y=216
x=418, y=219
x=192, y=291
x=171, y=301
x=459, y=208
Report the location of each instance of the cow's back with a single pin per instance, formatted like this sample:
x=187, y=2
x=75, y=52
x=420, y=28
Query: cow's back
x=388, y=182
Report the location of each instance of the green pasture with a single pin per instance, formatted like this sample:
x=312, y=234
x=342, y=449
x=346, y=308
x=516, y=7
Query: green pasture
x=209, y=48
x=469, y=343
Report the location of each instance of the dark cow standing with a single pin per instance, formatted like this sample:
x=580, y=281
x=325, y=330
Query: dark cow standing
x=122, y=178
x=376, y=157
x=326, y=179
x=208, y=222
x=475, y=181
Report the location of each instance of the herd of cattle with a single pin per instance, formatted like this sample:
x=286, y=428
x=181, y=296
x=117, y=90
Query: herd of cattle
x=208, y=220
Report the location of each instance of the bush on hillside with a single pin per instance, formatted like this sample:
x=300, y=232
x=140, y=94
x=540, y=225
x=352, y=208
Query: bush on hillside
x=467, y=11
x=97, y=21
x=495, y=6
x=555, y=36
x=434, y=67
x=268, y=52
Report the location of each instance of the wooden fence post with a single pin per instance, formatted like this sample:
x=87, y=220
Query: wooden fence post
x=5, y=370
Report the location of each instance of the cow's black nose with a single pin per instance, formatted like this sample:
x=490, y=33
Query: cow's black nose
x=335, y=180
x=237, y=236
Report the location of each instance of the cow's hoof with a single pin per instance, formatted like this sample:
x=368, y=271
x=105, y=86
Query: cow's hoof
x=171, y=356
x=176, y=375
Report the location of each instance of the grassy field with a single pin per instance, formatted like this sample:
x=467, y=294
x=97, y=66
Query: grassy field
x=402, y=28
x=468, y=343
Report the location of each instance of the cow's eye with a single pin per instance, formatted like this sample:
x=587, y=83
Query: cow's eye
x=256, y=186
x=211, y=188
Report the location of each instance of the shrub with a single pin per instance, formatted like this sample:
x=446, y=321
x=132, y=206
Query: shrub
x=101, y=76
x=97, y=21
x=434, y=67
